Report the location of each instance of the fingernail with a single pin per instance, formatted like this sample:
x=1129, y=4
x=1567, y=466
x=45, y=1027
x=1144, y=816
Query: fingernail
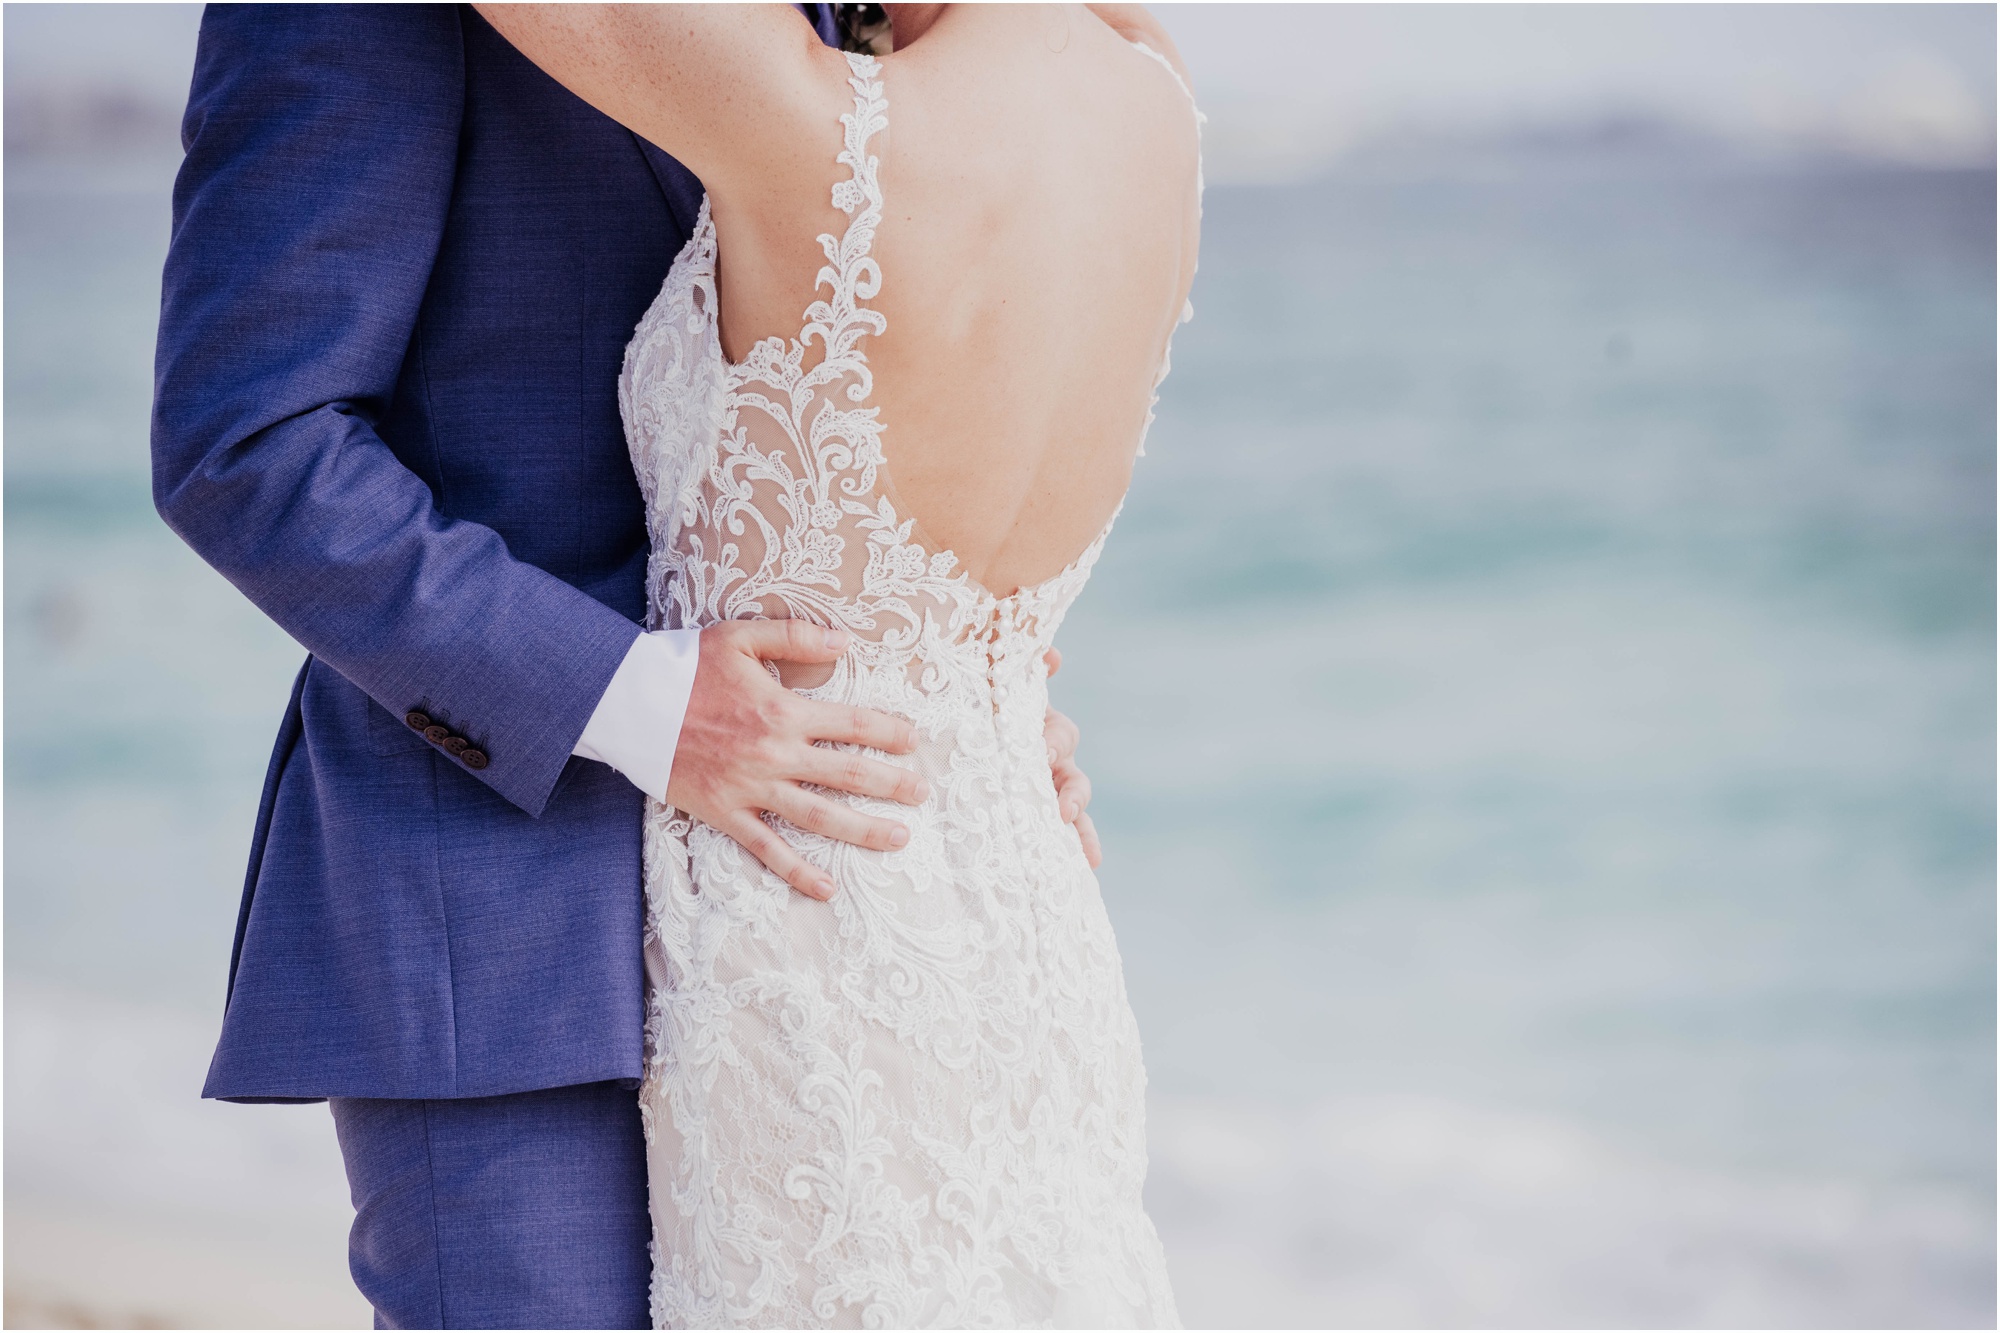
x=898, y=836
x=836, y=639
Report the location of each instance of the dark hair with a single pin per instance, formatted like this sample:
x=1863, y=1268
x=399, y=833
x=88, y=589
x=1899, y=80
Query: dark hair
x=863, y=28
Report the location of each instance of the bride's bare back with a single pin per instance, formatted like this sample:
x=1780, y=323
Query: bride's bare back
x=1040, y=237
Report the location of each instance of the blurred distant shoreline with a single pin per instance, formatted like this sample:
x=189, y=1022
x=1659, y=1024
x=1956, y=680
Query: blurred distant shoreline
x=1246, y=144
x=118, y=145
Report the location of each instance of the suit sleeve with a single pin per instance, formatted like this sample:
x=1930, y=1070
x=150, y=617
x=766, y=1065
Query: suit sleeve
x=322, y=143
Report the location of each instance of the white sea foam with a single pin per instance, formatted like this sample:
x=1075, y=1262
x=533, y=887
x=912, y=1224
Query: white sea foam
x=1386, y=1212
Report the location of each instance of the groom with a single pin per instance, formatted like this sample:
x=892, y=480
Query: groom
x=404, y=267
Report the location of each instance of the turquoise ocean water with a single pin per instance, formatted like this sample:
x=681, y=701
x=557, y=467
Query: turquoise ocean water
x=1540, y=701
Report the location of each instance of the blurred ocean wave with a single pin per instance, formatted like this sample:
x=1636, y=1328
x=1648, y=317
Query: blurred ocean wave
x=1388, y=1212
x=1544, y=670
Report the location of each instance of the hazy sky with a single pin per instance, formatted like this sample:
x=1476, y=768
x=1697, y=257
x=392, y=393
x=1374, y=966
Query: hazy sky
x=1898, y=80
x=146, y=48
x=1288, y=85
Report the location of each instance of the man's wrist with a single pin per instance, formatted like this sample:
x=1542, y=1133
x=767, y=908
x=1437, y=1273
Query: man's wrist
x=637, y=723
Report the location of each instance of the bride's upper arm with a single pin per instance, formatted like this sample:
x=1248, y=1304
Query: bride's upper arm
x=719, y=87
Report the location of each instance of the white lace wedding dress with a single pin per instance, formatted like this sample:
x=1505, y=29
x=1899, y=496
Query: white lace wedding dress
x=921, y=1103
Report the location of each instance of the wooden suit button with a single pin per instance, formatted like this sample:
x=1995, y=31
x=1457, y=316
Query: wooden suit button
x=417, y=721
x=474, y=759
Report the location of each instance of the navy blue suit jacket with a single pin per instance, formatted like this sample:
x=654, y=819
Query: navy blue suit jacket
x=405, y=264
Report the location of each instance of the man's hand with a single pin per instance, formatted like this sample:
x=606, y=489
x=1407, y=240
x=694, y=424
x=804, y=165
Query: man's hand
x=747, y=745
x=1072, y=787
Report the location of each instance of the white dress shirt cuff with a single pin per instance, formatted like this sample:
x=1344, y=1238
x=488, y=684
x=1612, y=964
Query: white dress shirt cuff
x=637, y=724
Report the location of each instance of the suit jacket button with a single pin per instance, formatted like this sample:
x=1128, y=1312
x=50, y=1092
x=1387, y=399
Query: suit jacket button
x=456, y=744
x=435, y=734
x=417, y=721
x=474, y=759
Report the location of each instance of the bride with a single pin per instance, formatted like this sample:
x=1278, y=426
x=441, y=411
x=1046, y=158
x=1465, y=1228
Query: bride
x=895, y=385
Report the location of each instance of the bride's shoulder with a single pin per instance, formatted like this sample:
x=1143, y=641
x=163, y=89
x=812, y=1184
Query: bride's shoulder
x=1136, y=26
x=1030, y=73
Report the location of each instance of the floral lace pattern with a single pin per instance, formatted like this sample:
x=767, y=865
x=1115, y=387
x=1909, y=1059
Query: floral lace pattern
x=923, y=1102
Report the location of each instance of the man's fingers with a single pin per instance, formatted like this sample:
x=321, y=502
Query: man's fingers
x=1072, y=791
x=852, y=725
x=787, y=640
x=778, y=856
x=816, y=814
x=1093, y=851
x=844, y=770
x=1062, y=736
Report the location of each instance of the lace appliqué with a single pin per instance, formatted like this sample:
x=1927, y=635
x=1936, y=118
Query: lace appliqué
x=923, y=1102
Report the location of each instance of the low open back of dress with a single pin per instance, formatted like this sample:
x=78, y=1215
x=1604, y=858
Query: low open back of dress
x=794, y=510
